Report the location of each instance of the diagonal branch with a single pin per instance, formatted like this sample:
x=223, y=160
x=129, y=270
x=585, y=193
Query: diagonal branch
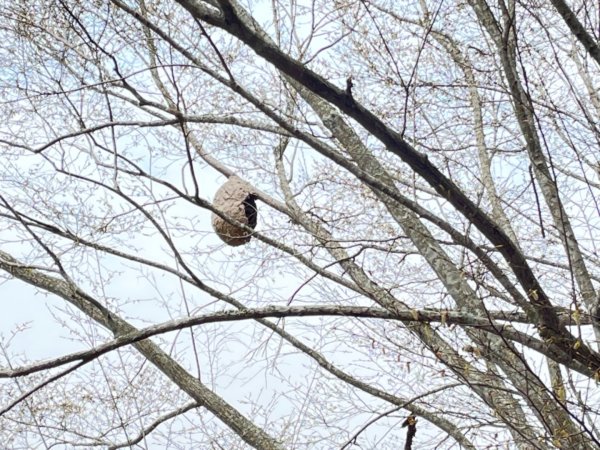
x=243, y=427
x=548, y=323
x=577, y=28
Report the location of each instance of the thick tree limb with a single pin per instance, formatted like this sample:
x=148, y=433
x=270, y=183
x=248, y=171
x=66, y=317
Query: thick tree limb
x=578, y=30
x=548, y=325
x=247, y=431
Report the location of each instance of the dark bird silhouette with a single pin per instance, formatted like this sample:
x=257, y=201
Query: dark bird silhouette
x=250, y=210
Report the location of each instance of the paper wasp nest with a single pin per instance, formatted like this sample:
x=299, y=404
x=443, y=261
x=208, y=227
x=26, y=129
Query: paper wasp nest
x=236, y=199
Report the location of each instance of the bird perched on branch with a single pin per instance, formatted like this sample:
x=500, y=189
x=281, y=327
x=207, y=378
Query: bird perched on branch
x=237, y=200
x=410, y=421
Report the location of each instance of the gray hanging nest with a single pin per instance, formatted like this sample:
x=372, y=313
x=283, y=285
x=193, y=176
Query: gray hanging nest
x=236, y=199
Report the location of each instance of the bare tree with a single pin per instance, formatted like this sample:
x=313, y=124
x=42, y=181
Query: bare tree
x=424, y=268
